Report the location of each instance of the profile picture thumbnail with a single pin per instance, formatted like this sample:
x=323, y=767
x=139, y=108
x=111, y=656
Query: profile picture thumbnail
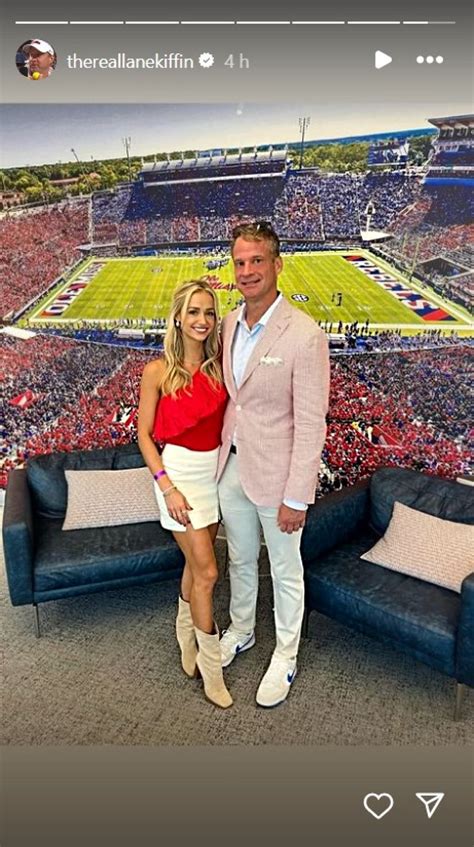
x=36, y=59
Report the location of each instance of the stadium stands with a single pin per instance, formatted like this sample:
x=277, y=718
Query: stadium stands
x=438, y=226
x=36, y=247
x=301, y=205
x=215, y=165
x=407, y=409
x=59, y=394
x=400, y=404
x=435, y=235
x=64, y=395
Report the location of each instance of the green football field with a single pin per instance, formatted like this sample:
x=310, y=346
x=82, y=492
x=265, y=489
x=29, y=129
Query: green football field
x=138, y=288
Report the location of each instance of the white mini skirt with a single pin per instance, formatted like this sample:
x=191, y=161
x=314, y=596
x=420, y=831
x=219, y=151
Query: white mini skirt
x=194, y=472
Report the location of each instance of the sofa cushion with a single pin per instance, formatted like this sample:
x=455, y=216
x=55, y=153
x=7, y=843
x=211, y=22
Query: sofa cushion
x=429, y=548
x=414, y=616
x=93, y=558
x=109, y=498
x=47, y=481
x=442, y=498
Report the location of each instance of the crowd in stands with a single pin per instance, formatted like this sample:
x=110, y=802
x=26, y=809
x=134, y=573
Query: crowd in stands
x=300, y=205
x=389, y=194
x=132, y=232
x=93, y=419
x=409, y=409
x=462, y=157
x=214, y=228
x=338, y=196
x=209, y=209
x=426, y=221
x=63, y=392
x=214, y=166
x=438, y=226
x=427, y=242
x=36, y=247
x=109, y=209
x=298, y=213
x=406, y=408
x=185, y=228
x=460, y=289
x=449, y=204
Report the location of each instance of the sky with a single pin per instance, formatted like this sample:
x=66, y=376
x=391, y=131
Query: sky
x=40, y=134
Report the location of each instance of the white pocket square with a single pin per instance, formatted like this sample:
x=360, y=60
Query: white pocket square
x=271, y=360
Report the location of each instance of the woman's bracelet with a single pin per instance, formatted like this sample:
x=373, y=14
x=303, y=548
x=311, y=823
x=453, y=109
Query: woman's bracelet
x=169, y=490
x=159, y=474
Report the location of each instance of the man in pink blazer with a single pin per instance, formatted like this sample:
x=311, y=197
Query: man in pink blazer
x=276, y=369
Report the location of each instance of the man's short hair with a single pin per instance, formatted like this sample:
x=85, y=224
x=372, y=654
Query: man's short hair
x=257, y=231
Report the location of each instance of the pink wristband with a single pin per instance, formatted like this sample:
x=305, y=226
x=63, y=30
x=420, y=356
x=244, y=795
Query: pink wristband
x=158, y=475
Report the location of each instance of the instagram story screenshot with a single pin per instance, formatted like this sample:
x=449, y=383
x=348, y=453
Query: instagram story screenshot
x=236, y=479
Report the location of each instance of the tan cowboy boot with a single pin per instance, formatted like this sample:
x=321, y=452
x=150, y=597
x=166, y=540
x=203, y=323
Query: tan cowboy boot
x=209, y=664
x=186, y=638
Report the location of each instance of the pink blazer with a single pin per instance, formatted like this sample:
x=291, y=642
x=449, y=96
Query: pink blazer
x=279, y=411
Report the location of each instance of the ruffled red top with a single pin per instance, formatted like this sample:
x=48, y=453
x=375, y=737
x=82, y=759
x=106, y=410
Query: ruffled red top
x=194, y=417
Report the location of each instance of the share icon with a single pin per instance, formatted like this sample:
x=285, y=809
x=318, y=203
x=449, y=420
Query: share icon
x=430, y=802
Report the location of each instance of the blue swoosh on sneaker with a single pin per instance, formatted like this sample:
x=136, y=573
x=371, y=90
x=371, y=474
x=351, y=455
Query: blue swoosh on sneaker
x=240, y=647
x=290, y=677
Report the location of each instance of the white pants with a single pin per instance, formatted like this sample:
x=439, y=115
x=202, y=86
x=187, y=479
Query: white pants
x=242, y=520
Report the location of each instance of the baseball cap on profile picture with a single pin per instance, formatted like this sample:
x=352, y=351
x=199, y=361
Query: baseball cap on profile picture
x=40, y=58
x=39, y=45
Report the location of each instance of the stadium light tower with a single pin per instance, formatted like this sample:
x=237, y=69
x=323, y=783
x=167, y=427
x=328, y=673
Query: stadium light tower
x=127, y=143
x=304, y=124
x=81, y=165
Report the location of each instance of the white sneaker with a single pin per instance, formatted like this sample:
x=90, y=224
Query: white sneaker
x=232, y=643
x=276, y=683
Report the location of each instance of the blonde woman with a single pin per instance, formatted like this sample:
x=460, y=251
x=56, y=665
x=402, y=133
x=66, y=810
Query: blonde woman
x=182, y=404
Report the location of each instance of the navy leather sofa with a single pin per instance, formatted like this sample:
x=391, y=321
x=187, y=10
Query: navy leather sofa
x=44, y=563
x=430, y=623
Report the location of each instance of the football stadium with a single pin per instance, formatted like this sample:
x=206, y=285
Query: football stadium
x=382, y=260
x=140, y=289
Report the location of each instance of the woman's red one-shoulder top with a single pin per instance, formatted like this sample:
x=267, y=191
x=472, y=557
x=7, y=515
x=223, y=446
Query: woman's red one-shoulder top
x=193, y=418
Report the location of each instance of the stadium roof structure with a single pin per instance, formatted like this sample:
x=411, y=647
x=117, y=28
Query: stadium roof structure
x=216, y=161
x=453, y=120
x=215, y=166
x=452, y=159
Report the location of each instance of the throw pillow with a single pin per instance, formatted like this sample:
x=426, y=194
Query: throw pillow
x=426, y=547
x=109, y=498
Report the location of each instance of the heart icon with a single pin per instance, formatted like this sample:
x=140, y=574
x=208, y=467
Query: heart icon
x=378, y=804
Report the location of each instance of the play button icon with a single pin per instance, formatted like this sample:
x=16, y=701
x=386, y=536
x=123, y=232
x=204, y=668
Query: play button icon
x=381, y=59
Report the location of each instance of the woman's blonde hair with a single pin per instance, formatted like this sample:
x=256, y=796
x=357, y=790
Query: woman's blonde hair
x=176, y=376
